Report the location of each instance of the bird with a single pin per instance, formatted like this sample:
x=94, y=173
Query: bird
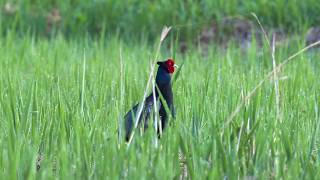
x=163, y=81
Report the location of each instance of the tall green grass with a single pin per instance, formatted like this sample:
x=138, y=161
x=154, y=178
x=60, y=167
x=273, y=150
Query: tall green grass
x=41, y=114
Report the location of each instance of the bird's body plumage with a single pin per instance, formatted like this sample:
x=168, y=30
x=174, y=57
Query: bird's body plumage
x=163, y=82
x=130, y=117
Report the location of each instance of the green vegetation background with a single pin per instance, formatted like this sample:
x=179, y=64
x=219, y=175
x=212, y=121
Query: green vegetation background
x=61, y=99
x=79, y=17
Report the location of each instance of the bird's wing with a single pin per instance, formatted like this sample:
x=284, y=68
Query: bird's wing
x=130, y=117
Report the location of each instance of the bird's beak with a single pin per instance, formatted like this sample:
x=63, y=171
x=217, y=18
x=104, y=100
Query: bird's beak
x=176, y=66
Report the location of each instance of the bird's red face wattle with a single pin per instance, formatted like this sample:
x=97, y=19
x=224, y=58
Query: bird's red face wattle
x=170, y=65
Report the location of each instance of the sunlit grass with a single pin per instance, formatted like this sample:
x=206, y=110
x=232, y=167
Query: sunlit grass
x=41, y=84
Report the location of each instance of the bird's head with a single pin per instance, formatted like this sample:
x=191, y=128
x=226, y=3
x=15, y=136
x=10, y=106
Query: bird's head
x=166, y=68
x=168, y=65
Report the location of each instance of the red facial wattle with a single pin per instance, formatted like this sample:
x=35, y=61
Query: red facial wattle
x=170, y=65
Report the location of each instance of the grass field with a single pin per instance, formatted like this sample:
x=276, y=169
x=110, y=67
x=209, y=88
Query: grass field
x=60, y=103
x=75, y=18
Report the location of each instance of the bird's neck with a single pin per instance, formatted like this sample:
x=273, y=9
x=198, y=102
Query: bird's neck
x=166, y=92
x=163, y=77
x=163, y=80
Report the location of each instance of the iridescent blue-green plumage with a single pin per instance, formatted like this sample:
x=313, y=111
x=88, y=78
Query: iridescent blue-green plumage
x=163, y=81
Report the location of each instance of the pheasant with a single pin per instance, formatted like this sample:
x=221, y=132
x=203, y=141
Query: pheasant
x=163, y=82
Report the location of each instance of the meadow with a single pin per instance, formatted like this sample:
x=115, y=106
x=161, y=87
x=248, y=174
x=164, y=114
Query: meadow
x=75, y=18
x=70, y=70
x=61, y=102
